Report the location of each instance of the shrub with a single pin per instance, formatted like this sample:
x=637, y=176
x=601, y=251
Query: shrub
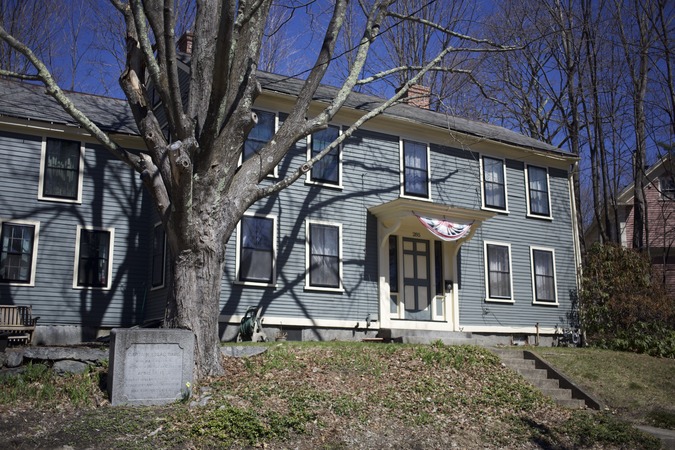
x=621, y=307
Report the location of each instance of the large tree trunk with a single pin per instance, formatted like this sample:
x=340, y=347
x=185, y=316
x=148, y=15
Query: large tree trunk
x=193, y=304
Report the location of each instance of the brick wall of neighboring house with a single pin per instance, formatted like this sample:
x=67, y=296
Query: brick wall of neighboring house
x=661, y=214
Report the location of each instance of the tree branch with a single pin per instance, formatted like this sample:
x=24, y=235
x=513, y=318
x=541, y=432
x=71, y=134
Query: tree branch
x=20, y=76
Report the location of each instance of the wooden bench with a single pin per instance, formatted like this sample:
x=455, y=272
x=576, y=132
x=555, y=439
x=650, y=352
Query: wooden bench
x=17, y=323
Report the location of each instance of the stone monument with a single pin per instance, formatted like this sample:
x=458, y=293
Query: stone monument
x=150, y=366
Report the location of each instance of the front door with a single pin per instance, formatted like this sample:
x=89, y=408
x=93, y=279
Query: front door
x=416, y=279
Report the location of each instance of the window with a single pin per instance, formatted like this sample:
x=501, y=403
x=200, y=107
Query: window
x=93, y=260
x=328, y=169
x=393, y=263
x=667, y=187
x=498, y=271
x=537, y=191
x=438, y=267
x=261, y=134
x=158, y=256
x=324, y=256
x=18, y=248
x=494, y=184
x=415, y=169
x=543, y=276
x=256, y=255
x=61, y=170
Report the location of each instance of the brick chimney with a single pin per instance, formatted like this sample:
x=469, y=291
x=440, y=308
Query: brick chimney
x=185, y=42
x=419, y=96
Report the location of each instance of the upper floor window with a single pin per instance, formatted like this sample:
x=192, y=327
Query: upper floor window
x=324, y=255
x=18, y=252
x=498, y=271
x=158, y=256
x=328, y=169
x=61, y=170
x=261, y=134
x=93, y=260
x=667, y=187
x=543, y=275
x=538, y=198
x=415, y=169
x=256, y=255
x=494, y=183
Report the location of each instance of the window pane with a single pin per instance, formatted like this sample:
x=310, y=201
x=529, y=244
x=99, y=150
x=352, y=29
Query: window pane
x=415, y=169
x=62, y=169
x=544, y=276
x=538, y=187
x=493, y=183
x=257, y=249
x=158, y=252
x=499, y=280
x=260, y=135
x=393, y=263
x=16, y=254
x=324, y=270
x=326, y=169
x=438, y=267
x=93, y=258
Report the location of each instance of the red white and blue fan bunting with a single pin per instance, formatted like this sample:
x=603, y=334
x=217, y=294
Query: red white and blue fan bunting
x=445, y=229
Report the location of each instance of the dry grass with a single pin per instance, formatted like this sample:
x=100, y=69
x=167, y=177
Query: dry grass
x=638, y=387
x=335, y=396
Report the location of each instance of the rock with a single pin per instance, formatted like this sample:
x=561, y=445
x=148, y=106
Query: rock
x=240, y=351
x=69, y=366
x=3, y=359
x=14, y=358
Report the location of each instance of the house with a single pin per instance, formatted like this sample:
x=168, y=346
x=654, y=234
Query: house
x=418, y=223
x=660, y=209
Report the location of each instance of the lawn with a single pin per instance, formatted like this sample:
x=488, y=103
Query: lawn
x=638, y=387
x=316, y=395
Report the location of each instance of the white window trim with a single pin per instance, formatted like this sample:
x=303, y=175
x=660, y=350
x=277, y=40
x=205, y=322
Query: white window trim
x=527, y=194
x=487, y=273
x=237, y=260
x=401, y=160
x=309, y=287
x=76, y=265
x=275, y=172
x=161, y=286
x=555, y=277
x=308, y=175
x=80, y=176
x=482, y=186
x=36, y=235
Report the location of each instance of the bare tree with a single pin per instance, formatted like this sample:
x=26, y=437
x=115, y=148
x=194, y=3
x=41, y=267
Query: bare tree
x=29, y=22
x=197, y=184
x=632, y=19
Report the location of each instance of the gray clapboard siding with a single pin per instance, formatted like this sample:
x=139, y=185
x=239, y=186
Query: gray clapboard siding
x=521, y=232
x=368, y=179
x=112, y=197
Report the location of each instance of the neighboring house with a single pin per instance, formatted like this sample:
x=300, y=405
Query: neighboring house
x=418, y=222
x=660, y=206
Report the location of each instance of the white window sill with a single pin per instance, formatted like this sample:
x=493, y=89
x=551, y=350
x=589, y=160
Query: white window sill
x=500, y=300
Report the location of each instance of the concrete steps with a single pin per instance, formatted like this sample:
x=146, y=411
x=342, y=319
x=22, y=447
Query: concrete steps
x=543, y=377
x=426, y=337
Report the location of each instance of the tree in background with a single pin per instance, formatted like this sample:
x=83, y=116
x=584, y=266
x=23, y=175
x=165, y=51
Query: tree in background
x=197, y=184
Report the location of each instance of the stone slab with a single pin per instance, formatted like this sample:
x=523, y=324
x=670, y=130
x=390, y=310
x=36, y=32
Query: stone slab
x=241, y=351
x=82, y=354
x=149, y=366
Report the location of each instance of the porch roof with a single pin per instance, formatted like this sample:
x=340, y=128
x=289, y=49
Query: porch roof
x=403, y=211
